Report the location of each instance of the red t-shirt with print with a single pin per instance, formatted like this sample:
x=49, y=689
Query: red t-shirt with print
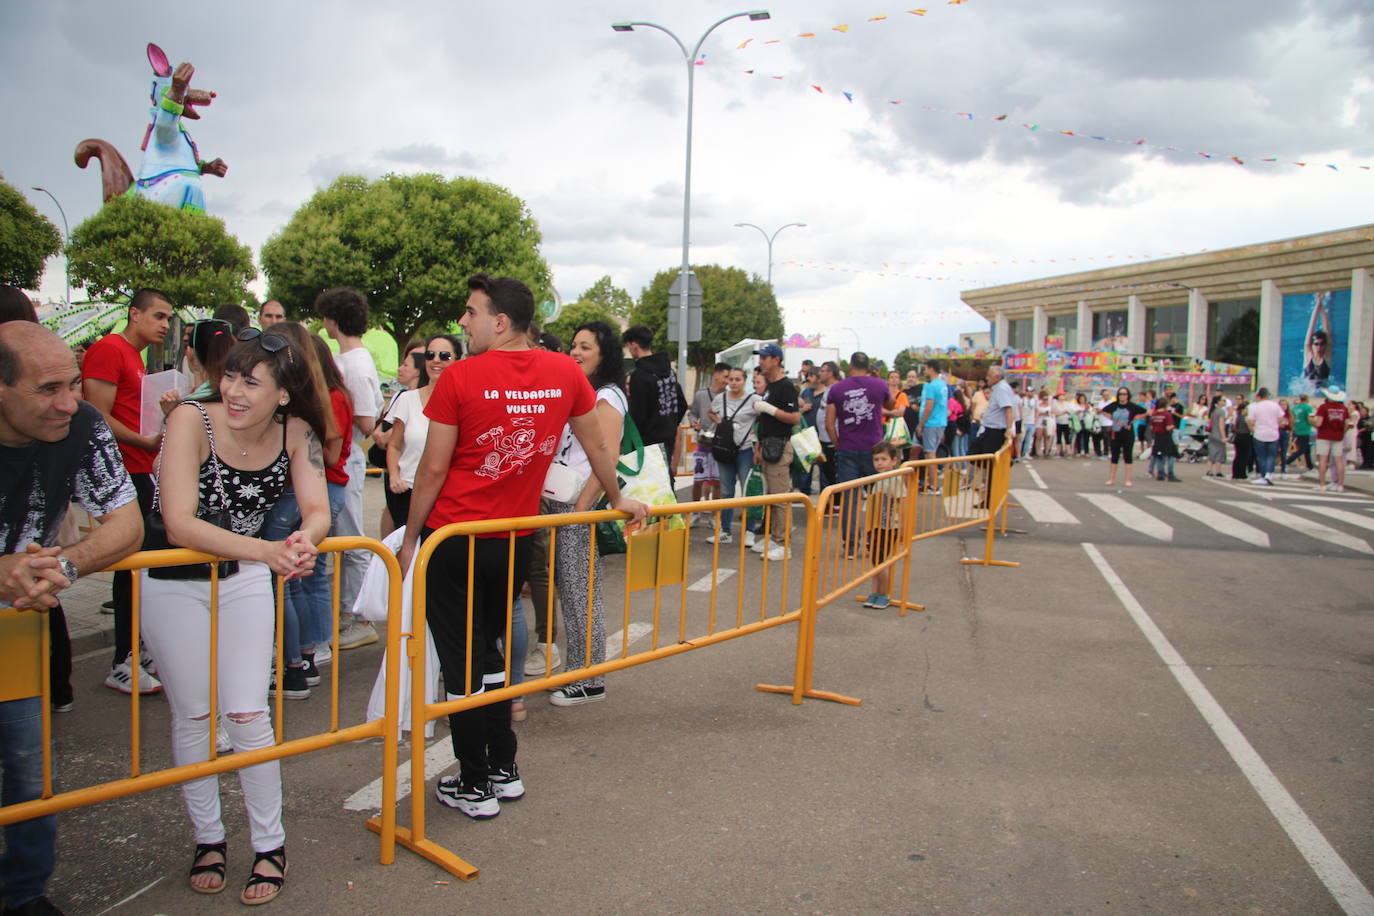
x=510, y=407
x=113, y=359
x=1330, y=420
x=343, y=416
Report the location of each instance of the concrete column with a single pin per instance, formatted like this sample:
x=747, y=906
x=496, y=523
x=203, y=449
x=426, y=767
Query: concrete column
x=1085, y=326
x=1040, y=326
x=1197, y=324
x=1270, y=336
x=1359, y=365
x=1135, y=324
x=999, y=329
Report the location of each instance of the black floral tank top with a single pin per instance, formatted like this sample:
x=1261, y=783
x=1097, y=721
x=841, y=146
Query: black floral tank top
x=249, y=494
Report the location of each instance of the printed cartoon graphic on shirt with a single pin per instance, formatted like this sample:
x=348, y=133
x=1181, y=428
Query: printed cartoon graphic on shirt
x=857, y=408
x=512, y=451
x=667, y=396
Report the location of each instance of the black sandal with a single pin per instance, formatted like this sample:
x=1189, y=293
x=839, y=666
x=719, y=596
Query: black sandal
x=214, y=868
x=278, y=859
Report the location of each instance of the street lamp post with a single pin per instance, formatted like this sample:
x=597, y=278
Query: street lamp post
x=66, y=237
x=690, y=58
x=769, y=239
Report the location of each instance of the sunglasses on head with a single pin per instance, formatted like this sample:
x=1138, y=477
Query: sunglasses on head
x=442, y=356
x=272, y=343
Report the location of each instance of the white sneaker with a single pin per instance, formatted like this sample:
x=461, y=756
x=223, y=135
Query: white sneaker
x=145, y=658
x=749, y=539
x=724, y=538
x=777, y=552
x=358, y=633
x=324, y=654
x=121, y=678
x=760, y=544
x=535, y=662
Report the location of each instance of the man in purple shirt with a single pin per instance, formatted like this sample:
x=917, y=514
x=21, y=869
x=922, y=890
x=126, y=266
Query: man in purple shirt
x=854, y=420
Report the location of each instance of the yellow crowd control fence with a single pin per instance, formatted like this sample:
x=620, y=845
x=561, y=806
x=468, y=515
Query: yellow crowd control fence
x=673, y=599
x=28, y=674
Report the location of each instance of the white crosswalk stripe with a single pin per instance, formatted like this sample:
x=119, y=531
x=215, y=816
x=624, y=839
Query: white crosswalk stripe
x=1131, y=516
x=1043, y=507
x=1341, y=515
x=1219, y=522
x=1304, y=525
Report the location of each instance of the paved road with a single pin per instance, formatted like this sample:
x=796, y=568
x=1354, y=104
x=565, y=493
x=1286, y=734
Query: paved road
x=1022, y=746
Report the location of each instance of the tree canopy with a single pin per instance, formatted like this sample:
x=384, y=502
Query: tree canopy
x=133, y=242
x=734, y=304
x=27, y=239
x=573, y=316
x=615, y=301
x=409, y=243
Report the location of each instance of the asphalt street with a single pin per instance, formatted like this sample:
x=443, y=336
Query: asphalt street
x=1026, y=745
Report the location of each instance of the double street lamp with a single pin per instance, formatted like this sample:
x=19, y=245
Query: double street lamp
x=690, y=58
x=66, y=237
x=769, y=239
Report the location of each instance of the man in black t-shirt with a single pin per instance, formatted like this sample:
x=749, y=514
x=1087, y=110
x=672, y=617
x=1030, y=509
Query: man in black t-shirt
x=777, y=415
x=53, y=447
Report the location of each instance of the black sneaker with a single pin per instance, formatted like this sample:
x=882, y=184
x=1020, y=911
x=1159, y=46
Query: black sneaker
x=506, y=784
x=312, y=674
x=39, y=906
x=576, y=695
x=296, y=686
x=477, y=802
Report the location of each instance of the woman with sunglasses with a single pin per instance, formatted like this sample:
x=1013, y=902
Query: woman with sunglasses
x=230, y=460
x=1123, y=412
x=409, y=426
x=307, y=615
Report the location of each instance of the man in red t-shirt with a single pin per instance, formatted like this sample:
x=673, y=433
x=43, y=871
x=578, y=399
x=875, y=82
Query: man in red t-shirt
x=495, y=421
x=1331, y=420
x=112, y=381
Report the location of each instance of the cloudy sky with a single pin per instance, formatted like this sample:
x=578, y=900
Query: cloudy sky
x=905, y=204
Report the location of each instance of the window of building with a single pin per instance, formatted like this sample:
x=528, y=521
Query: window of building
x=1019, y=334
x=1066, y=326
x=1108, y=324
x=1233, y=331
x=1166, y=329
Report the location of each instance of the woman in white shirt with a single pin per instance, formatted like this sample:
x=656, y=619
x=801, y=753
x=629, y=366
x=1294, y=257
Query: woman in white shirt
x=596, y=348
x=410, y=426
x=735, y=405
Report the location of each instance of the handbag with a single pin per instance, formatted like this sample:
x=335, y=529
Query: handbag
x=771, y=448
x=155, y=530
x=895, y=431
x=806, y=448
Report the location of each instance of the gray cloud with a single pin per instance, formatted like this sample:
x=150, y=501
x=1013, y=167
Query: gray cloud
x=430, y=155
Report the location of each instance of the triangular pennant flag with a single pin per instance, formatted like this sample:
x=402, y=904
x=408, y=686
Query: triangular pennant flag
x=840, y=28
x=744, y=44
x=848, y=95
x=817, y=88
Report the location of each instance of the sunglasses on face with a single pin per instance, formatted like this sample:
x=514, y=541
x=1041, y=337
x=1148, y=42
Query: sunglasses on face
x=272, y=343
x=442, y=356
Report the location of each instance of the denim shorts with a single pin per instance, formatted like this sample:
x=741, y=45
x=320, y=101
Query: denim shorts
x=932, y=437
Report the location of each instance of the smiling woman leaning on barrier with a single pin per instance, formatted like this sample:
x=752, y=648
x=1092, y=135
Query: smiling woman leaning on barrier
x=224, y=464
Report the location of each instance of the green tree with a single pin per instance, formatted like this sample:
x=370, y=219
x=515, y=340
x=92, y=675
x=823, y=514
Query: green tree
x=734, y=305
x=409, y=242
x=904, y=362
x=27, y=240
x=579, y=313
x=132, y=242
x=615, y=301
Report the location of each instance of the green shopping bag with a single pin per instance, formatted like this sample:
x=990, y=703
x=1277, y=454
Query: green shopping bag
x=806, y=448
x=754, y=487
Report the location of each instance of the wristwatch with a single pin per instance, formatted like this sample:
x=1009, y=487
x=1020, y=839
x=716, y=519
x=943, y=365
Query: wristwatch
x=68, y=568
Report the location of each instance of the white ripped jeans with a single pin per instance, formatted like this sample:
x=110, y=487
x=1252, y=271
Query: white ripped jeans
x=176, y=627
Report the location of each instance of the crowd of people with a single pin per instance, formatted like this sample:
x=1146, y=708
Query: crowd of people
x=1252, y=438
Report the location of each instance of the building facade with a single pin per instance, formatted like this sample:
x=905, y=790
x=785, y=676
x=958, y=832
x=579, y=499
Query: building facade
x=1299, y=310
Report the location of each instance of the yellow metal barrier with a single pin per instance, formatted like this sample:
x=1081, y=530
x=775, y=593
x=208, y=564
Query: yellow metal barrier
x=656, y=561
x=139, y=781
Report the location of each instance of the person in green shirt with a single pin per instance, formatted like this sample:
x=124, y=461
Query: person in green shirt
x=1302, y=432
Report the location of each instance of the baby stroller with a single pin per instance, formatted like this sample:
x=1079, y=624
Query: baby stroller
x=1193, y=440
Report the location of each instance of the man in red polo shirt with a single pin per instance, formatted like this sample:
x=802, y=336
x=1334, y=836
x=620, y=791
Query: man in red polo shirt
x=112, y=381
x=1331, y=420
x=495, y=421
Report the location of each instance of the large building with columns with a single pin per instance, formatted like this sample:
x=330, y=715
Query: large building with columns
x=1256, y=305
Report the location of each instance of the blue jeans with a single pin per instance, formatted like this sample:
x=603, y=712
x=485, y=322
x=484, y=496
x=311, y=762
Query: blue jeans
x=852, y=464
x=1265, y=453
x=30, y=846
x=960, y=447
x=307, y=611
x=1284, y=436
x=730, y=475
x=519, y=641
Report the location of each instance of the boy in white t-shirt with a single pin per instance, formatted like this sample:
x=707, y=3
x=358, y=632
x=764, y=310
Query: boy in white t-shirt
x=344, y=311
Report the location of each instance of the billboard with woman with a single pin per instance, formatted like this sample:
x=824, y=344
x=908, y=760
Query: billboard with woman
x=1314, y=342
